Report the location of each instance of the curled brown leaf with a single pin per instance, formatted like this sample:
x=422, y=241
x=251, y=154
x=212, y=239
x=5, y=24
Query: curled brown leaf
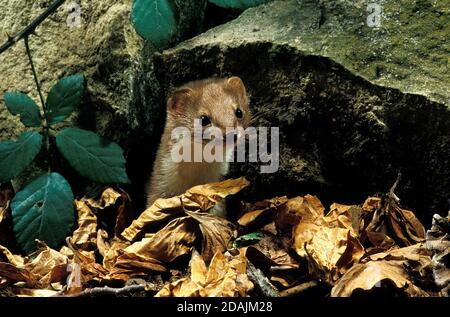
x=226, y=276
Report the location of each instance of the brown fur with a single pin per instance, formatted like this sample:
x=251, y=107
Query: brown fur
x=215, y=98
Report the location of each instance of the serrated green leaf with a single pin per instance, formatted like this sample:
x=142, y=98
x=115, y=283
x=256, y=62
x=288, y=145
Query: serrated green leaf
x=238, y=4
x=247, y=239
x=155, y=21
x=16, y=156
x=92, y=156
x=64, y=98
x=21, y=104
x=43, y=210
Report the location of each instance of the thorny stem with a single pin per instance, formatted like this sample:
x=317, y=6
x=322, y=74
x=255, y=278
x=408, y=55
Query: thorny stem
x=29, y=29
x=46, y=129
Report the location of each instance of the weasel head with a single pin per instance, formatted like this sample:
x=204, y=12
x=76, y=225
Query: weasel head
x=219, y=103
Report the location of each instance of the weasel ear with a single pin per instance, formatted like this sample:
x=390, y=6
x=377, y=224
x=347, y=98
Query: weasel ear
x=179, y=100
x=237, y=85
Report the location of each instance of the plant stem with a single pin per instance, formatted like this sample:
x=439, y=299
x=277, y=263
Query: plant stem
x=27, y=46
x=29, y=29
x=46, y=129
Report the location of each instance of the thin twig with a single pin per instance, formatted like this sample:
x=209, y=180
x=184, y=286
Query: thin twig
x=108, y=291
x=298, y=289
x=283, y=268
x=392, y=198
x=261, y=282
x=397, y=181
x=29, y=29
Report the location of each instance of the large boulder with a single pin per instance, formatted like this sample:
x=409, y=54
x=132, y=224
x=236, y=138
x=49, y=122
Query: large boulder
x=356, y=102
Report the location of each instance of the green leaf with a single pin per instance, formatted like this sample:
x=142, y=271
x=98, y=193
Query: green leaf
x=247, y=239
x=16, y=156
x=64, y=98
x=92, y=156
x=155, y=21
x=19, y=103
x=238, y=4
x=43, y=210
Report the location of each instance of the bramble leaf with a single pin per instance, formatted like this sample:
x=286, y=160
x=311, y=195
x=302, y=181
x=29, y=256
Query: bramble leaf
x=154, y=20
x=92, y=156
x=21, y=104
x=248, y=239
x=16, y=156
x=238, y=4
x=43, y=210
x=64, y=98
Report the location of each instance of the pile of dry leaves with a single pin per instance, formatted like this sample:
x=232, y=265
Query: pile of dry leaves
x=279, y=247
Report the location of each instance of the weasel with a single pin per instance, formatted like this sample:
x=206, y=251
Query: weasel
x=215, y=102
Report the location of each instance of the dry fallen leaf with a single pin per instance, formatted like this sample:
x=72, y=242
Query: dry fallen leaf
x=43, y=261
x=38, y=270
x=111, y=250
x=380, y=241
x=270, y=261
x=115, y=201
x=154, y=218
x=90, y=270
x=392, y=266
x=217, y=233
x=85, y=235
x=15, y=260
x=255, y=214
x=13, y=274
x=198, y=198
x=330, y=251
x=208, y=195
x=406, y=226
x=171, y=226
x=307, y=208
x=124, y=213
x=329, y=243
x=4, y=211
x=175, y=239
x=387, y=217
x=343, y=216
x=225, y=277
x=129, y=265
x=108, y=198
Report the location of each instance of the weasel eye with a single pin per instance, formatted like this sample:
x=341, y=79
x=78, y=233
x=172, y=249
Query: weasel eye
x=205, y=120
x=239, y=113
